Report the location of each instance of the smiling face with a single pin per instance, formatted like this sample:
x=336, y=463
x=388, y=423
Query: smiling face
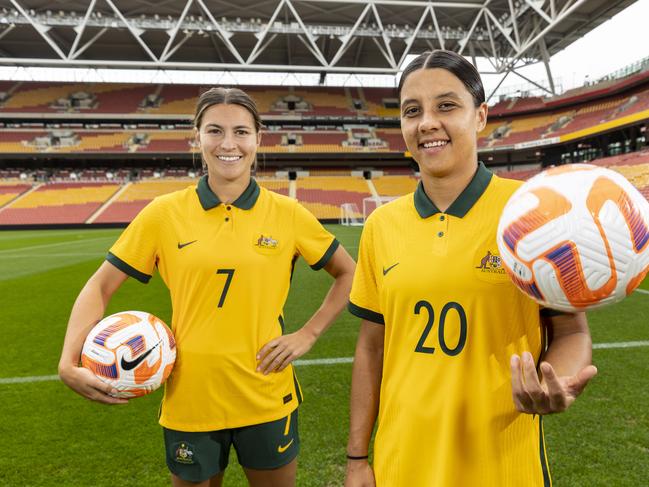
x=440, y=123
x=228, y=140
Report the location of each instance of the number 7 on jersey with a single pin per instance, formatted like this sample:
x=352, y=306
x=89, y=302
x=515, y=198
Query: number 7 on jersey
x=228, y=280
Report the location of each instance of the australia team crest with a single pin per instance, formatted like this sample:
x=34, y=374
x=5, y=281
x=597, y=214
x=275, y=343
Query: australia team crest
x=184, y=453
x=491, y=263
x=266, y=243
x=489, y=266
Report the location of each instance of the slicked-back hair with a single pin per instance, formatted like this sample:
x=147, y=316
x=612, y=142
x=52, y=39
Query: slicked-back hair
x=226, y=96
x=453, y=63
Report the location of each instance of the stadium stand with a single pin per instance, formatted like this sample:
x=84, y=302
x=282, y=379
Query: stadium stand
x=10, y=191
x=124, y=98
x=323, y=195
x=394, y=185
x=355, y=123
x=58, y=203
x=394, y=139
x=135, y=197
x=382, y=102
x=511, y=122
x=277, y=185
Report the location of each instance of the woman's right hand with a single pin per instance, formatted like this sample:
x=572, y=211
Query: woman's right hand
x=85, y=383
x=359, y=474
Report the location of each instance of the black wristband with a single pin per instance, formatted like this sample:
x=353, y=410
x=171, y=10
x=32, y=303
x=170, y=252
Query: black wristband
x=354, y=457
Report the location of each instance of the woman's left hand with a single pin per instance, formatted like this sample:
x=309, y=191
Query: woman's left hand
x=278, y=353
x=554, y=395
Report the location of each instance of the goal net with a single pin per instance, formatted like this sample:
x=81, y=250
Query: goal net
x=350, y=215
x=372, y=203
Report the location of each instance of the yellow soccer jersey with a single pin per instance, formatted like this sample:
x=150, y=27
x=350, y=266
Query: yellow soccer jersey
x=228, y=269
x=452, y=321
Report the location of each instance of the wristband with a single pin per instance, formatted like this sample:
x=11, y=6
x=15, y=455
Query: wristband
x=359, y=457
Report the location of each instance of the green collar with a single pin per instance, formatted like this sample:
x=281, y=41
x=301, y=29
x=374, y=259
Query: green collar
x=463, y=203
x=209, y=200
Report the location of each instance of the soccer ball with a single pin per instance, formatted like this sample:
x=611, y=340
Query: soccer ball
x=132, y=351
x=575, y=237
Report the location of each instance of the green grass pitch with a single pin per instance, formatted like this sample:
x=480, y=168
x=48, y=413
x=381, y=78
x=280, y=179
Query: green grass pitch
x=50, y=436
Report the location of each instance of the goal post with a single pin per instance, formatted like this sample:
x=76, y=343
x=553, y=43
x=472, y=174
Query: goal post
x=350, y=215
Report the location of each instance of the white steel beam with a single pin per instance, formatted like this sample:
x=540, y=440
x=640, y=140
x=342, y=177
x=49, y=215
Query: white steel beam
x=410, y=40
x=440, y=37
x=178, y=45
x=549, y=92
x=80, y=51
x=314, y=47
x=40, y=28
x=262, y=35
x=190, y=65
x=388, y=51
x=225, y=35
x=261, y=49
x=403, y=3
x=9, y=28
x=497, y=86
x=133, y=30
x=504, y=31
x=173, y=32
x=80, y=29
x=473, y=26
x=546, y=61
x=529, y=43
x=494, y=52
x=538, y=10
x=514, y=18
x=347, y=38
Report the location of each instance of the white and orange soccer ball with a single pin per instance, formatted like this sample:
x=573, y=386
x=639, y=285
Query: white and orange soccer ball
x=133, y=351
x=576, y=237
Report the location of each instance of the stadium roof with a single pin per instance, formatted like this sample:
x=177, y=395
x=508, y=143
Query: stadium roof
x=324, y=36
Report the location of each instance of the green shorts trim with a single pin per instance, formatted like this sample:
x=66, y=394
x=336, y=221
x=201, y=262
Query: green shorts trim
x=198, y=456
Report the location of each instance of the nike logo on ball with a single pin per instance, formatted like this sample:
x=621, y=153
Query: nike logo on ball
x=131, y=364
x=181, y=245
x=385, y=271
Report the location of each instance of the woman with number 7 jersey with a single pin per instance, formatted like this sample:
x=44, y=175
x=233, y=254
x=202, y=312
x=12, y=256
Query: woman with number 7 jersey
x=448, y=349
x=226, y=250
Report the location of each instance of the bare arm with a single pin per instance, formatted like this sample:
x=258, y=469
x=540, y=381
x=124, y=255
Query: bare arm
x=566, y=369
x=88, y=309
x=364, y=404
x=278, y=353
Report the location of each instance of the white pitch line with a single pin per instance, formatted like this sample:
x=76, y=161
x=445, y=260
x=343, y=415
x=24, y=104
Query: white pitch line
x=320, y=361
x=44, y=378
x=620, y=345
x=57, y=244
x=38, y=378
x=325, y=361
x=642, y=291
x=47, y=256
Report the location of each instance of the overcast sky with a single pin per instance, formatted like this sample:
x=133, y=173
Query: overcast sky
x=615, y=44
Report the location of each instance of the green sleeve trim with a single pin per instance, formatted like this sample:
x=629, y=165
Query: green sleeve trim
x=327, y=255
x=127, y=269
x=366, y=314
x=549, y=312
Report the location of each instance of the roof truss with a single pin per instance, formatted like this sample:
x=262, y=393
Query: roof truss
x=506, y=32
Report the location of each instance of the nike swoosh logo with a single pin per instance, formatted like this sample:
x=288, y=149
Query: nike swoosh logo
x=385, y=271
x=181, y=245
x=282, y=449
x=128, y=365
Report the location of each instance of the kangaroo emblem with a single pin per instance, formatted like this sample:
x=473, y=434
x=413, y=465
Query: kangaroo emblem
x=485, y=260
